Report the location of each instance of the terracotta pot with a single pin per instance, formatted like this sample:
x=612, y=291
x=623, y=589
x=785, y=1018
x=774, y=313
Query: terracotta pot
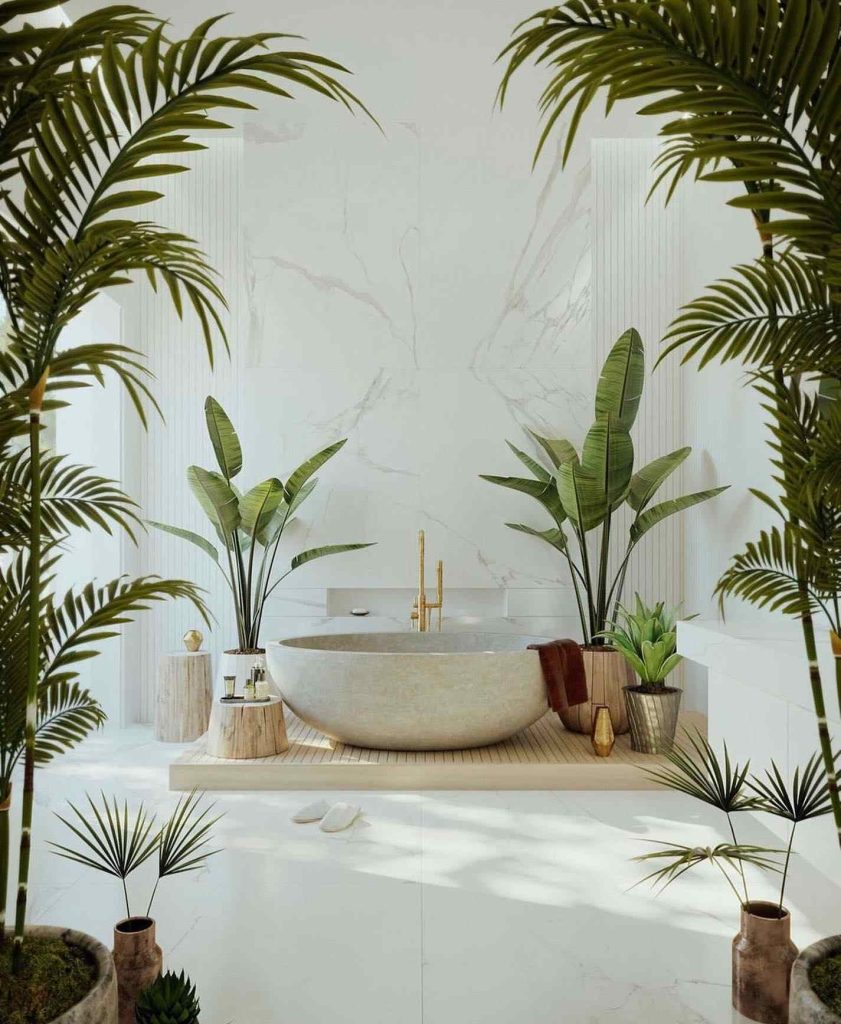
x=138, y=960
x=99, y=1006
x=607, y=675
x=652, y=717
x=805, y=1007
x=762, y=957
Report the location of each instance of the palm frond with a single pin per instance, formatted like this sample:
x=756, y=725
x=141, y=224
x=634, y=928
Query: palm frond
x=112, y=840
x=806, y=797
x=185, y=837
x=679, y=859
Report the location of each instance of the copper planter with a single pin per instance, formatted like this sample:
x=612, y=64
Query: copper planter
x=138, y=960
x=652, y=716
x=607, y=675
x=763, y=954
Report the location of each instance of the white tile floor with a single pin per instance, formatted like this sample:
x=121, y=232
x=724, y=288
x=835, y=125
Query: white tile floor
x=438, y=908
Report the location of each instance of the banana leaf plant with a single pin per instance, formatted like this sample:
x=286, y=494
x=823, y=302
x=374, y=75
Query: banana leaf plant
x=582, y=493
x=250, y=526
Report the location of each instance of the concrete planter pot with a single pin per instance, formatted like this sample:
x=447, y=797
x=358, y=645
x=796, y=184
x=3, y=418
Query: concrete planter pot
x=138, y=961
x=607, y=676
x=763, y=954
x=99, y=1006
x=652, y=717
x=805, y=1007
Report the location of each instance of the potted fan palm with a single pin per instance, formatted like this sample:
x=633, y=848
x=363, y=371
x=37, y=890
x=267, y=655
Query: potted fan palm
x=647, y=639
x=763, y=953
x=250, y=527
x=582, y=493
x=116, y=842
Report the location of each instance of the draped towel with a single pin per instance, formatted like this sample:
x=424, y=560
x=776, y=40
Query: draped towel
x=563, y=671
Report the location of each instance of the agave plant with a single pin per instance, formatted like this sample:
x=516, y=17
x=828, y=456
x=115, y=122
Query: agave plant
x=747, y=95
x=583, y=492
x=250, y=526
x=170, y=999
x=87, y=113
x=116, y=842
x=647, y=640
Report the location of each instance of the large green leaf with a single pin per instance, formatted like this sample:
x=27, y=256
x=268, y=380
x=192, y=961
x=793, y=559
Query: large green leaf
x=538, y=471
x=216, y=497
x=327, y=549
x=621, y=382
x=582, y=496
x=557, y=538
x=608, y=455
x=646, y=483
x=224, y=439
x=257, y=507
x=657, y=513
x=558, y=450
x=545, y=493
x=297, y=480
x=193, y=538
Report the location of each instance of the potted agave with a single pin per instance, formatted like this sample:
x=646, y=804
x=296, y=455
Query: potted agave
x=647, y=640
x=582, y=493
x=250, y=527
x=763, y=953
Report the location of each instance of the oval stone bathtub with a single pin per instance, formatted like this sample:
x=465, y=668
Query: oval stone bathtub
x=411, y=691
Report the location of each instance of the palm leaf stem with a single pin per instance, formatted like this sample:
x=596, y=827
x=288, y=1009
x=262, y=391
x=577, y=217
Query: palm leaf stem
x=741, y=866
x=604, y=555
x=5, y=811
x=267, y=588
x=588, y=580
x=575, y=572
x=785, y=865
x=232, y=583
x=33, y=664
x=152, y=897
x=730, y=880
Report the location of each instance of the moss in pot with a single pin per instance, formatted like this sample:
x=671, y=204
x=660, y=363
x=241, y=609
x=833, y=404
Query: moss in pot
x=826, y=981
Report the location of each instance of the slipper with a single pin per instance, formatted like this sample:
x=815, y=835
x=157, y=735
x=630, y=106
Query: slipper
x=312, y=812
x=340, y=817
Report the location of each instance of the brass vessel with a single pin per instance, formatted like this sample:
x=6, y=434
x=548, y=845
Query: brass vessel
x=603, y=736
x=192, y=640
x=423, y=608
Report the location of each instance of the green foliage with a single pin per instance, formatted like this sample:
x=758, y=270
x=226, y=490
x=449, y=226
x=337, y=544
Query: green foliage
x=680, y=859
x=250, y=526
x=647, y=640
x=52, y=977
x=825, y=977
x=582, y=493
x=171, y=999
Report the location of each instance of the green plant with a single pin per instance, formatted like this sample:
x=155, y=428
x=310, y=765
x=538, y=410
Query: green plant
x=697, y=771
x=647, y=641
x=171, y=999
x=250, y=526
x=826, y=981
x=583, y=492
x=117, y=842
x=747, y=94
x=87, y=113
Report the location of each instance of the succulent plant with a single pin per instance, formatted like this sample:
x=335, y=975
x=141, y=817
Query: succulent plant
x=169, y=1000
x=647, y=640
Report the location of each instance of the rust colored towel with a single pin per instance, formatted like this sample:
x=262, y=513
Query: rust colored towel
x=563, y=670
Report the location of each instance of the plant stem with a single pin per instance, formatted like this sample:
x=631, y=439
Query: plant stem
x=125, y=897
x=33, y=664
x=730, y=882
x=152, y=897
x=5, y=810
x=836, y=647
x=741, y=866
x=785, y=866
x=601, y=600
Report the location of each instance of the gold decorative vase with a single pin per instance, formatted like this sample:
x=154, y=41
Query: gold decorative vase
x=603, y=735
x=652, y=715
x=607, y=675
x=192, y=640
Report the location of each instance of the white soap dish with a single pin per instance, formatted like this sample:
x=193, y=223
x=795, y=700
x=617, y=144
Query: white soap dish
x=359, y=611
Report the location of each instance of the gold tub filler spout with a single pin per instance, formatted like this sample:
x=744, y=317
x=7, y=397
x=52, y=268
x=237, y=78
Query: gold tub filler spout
x=422, y=608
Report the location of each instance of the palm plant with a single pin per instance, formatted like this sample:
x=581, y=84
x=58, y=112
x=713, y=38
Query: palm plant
x=246, y=523
x=116, y=842
x=87, y=113
x=647, y=640
x=586, y=491
x=749, y=96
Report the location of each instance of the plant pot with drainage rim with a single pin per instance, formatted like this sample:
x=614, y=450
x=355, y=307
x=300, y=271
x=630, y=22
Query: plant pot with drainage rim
x=811, y=983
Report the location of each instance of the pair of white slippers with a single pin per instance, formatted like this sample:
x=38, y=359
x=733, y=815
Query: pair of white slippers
x=331, y=818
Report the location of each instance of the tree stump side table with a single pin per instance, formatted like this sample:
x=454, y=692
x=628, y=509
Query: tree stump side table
x=184, y=696
x=240, y=729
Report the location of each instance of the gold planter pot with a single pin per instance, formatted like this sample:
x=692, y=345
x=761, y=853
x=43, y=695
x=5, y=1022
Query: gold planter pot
x=652, y=717
x=607, y=675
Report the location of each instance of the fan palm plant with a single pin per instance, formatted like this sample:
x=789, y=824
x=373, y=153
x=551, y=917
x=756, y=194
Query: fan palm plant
x=86, y=115
x=747, y=94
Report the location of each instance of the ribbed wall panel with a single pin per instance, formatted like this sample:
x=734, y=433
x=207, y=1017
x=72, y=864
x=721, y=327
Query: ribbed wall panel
x=638, y=254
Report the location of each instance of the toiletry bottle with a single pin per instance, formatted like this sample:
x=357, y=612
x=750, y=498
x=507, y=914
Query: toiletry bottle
x=250, y=686
x=230, y=686
x=262, y=685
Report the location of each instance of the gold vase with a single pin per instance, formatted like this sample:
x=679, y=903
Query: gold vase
x=603, y=735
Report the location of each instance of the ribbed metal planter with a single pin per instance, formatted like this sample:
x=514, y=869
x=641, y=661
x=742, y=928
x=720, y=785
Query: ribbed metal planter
x=652, y=718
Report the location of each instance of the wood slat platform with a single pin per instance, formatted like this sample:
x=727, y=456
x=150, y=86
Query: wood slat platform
x=544, y=756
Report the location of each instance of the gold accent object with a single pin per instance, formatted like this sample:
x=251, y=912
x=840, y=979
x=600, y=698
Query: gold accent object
x=192, y=640
x=835, y=641
x=422, y=608
x=603, y=736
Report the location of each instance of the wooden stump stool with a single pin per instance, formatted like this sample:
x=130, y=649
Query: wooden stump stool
x=239, y=729
x=184, y=698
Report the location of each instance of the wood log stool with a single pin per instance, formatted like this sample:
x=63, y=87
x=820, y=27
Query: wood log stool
x=184, y=697
x=240, y=729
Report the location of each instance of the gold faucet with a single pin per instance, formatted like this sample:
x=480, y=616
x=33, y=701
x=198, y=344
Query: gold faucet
x=422, y=608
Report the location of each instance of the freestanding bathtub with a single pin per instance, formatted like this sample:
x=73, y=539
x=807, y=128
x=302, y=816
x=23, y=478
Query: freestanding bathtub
x=411, y=691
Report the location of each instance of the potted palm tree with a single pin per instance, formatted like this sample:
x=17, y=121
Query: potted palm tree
x=88, y=108
x=250, y=527
x=647, y=639
x=582, y=493
x=747, y=94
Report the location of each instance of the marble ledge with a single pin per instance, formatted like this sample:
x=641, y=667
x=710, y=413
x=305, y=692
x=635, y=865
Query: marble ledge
x=767, y=656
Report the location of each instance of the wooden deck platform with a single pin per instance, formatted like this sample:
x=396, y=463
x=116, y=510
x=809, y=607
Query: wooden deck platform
x=544, y=756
